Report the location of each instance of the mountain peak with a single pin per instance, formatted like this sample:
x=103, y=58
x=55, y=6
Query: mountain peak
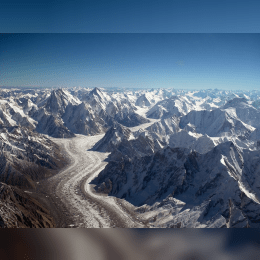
x=58, y=100
x=95, y=91
x=143, y=100
x=114, y=136
x=97, y=95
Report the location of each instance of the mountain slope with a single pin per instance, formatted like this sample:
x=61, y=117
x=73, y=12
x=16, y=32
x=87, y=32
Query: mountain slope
x=196, y=188
x=113, y=138
x=19, y=210
x=26, y=157
x=165, y=127
x=120, y=141
x=176, y=105
x=215, y=123
x=143, y=100
x=58, y=100
x=81, y=119
x=244, y=111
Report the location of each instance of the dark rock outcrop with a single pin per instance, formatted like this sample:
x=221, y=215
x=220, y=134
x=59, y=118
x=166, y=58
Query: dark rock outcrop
x=19, y=210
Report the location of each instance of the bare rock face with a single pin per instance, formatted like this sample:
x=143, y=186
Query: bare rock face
x=19, y=210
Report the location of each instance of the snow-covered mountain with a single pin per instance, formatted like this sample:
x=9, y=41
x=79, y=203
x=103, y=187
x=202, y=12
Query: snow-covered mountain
x=215, y=189
x=57, y=102
x=122, y=143
x=245, y=111
x=113, y=137
x=197, y=142
x=60, y=114
x=98, y=100
x=121, y=109
x=26, y=156
x=218, y=122
x=143, y=100
x=176, y=105
x=49, y=112
x=165, y=126
x=12, y=115
x=81, y=119
x=193, y=162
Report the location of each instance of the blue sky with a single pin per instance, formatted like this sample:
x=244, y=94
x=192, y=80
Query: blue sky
x=131, y=16
x=190, y=61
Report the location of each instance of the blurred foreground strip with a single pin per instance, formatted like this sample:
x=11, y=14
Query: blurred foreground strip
x=99, y=244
